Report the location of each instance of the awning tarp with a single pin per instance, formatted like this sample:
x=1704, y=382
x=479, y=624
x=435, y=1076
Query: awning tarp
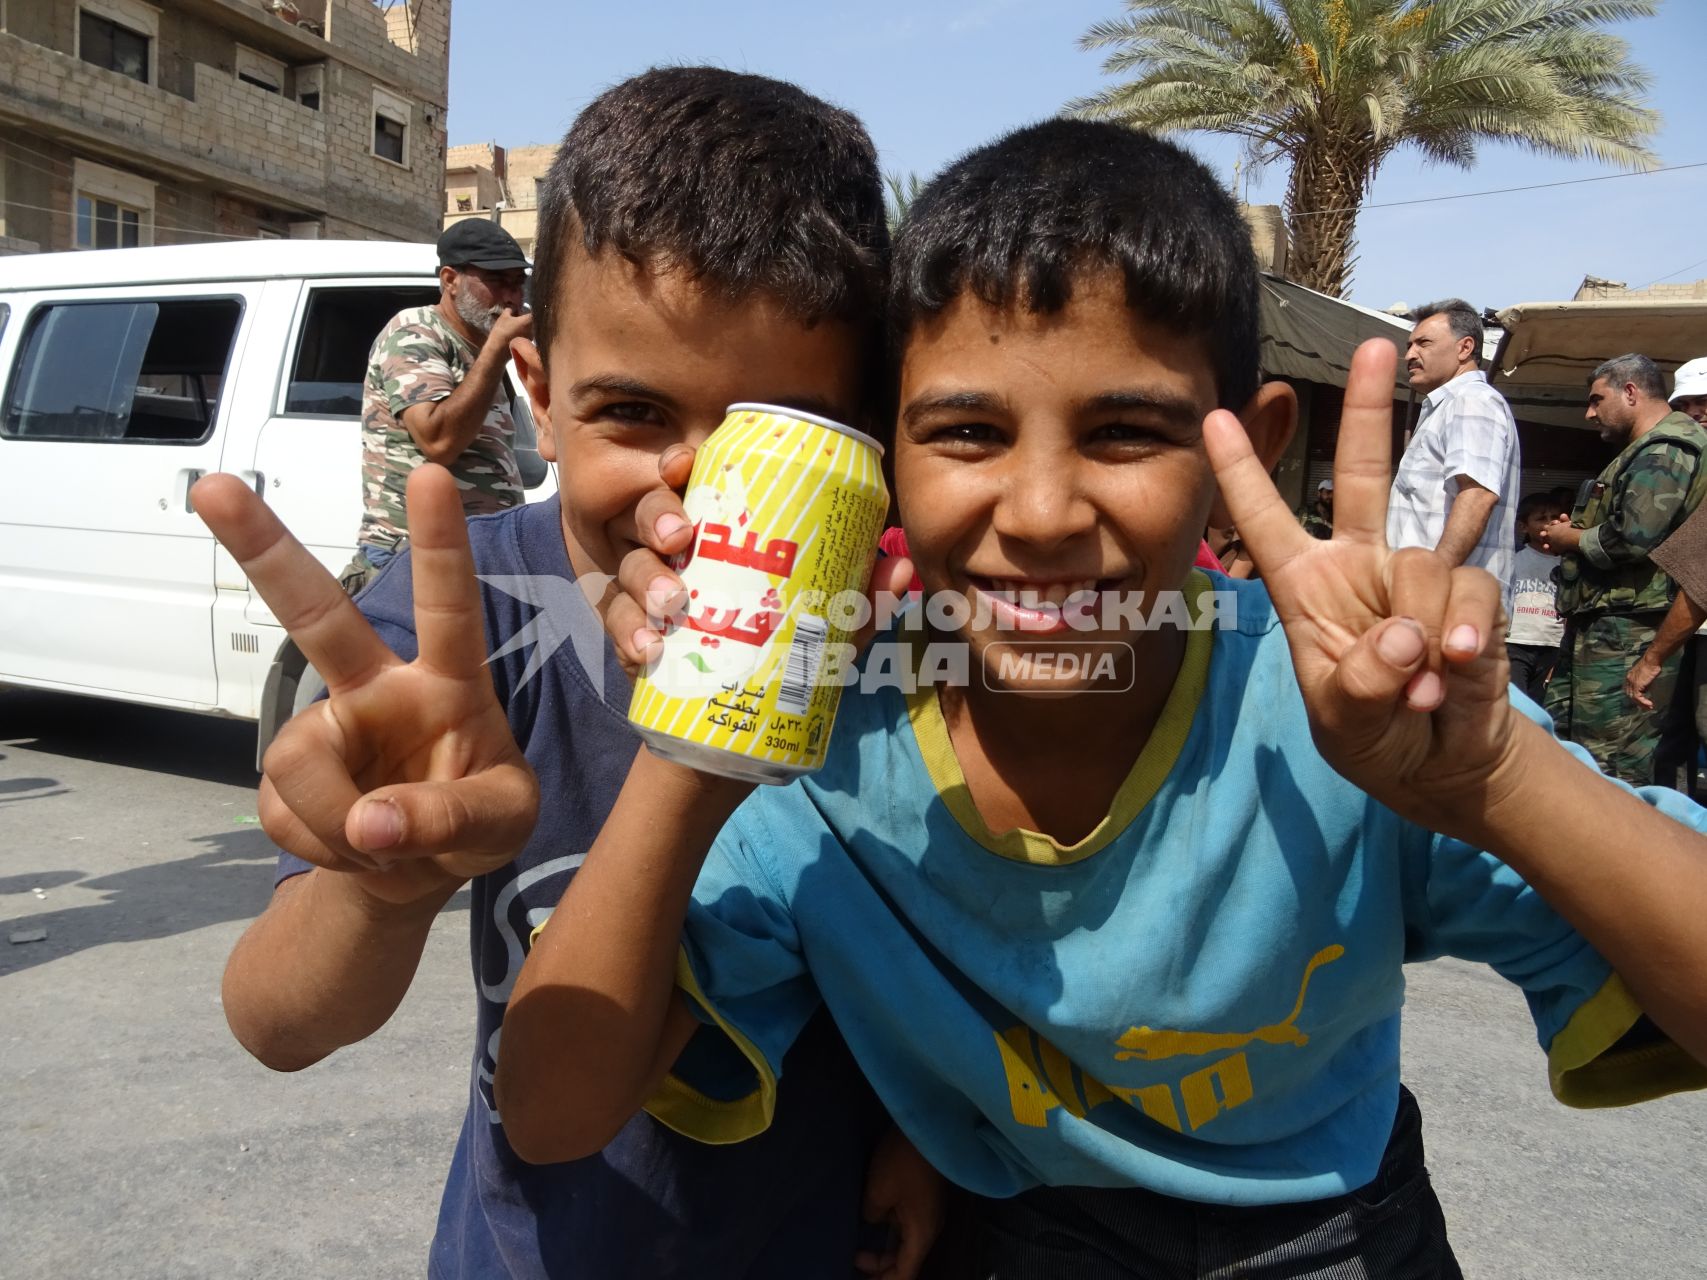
x=1309, y=336
x=1550, y=349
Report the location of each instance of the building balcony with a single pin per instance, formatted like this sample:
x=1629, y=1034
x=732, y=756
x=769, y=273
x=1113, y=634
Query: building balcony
x=232, y=135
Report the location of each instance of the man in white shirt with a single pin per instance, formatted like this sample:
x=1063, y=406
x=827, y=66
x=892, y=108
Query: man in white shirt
x=1457, y=485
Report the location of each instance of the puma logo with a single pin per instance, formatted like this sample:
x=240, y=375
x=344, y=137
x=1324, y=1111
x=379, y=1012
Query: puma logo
x=1150, y=1045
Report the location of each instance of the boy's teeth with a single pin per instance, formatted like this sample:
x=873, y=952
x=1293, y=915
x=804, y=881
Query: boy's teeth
x=1054, y=595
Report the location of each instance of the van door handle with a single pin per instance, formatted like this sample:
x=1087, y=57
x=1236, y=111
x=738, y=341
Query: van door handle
x=257, y=481
x=186, y=481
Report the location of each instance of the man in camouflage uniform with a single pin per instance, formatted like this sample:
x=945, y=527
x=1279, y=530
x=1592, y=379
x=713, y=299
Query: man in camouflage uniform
x=436, y=393
x=1611, y=594
x=1318, y=519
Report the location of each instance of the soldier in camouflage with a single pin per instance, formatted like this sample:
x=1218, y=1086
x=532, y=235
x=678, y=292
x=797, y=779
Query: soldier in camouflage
x=436, y=393
x=1318, y=520
x=1611, y=594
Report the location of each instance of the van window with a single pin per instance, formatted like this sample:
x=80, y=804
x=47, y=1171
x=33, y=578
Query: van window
x=122, y=371
x=338, y=330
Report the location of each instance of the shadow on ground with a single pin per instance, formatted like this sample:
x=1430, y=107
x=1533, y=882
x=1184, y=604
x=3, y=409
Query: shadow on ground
x=117, y=733
x=228, y=880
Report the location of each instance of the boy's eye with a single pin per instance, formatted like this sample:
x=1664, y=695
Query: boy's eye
x=1125, y=433
x=636, y=411
x=963, y=433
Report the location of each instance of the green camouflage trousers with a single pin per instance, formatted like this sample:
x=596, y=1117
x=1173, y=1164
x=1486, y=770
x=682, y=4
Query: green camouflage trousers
x=1586, y=696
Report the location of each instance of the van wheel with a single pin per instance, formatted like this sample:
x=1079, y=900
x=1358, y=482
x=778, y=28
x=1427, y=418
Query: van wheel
x=309, y=686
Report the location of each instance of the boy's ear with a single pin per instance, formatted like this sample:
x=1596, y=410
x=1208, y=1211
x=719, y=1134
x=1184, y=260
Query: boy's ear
x=1270, y=417
x=531, y=365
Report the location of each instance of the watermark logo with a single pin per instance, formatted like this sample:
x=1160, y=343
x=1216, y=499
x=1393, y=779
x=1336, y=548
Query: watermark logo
x=1088, y=666
x=1050, y=644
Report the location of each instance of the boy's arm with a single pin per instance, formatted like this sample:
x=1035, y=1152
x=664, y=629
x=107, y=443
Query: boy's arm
x=1401, y=663
x=325, y=965
x=595, y=1023
x=399, y=787
x=1627, y=877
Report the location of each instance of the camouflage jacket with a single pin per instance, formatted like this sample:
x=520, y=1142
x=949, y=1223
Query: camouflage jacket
x=417, y=359
x=1627, y=511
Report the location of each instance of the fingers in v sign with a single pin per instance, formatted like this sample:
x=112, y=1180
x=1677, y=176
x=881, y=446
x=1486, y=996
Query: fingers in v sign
x=411, y=765
x=1398, y=653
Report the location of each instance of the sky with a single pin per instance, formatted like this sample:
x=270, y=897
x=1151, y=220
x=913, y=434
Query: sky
x=934, y=78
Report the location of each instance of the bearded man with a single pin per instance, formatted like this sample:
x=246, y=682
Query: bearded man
x=435, y=392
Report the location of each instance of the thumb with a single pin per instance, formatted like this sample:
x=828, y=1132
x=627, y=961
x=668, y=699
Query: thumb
x=917, y=1236
x=1384, y=663
x=492, y=812
x=891, y=576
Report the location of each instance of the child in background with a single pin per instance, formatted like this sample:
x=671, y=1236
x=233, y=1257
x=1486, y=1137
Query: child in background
x=1532, y=640
x=705, y=237
x=1123, y=955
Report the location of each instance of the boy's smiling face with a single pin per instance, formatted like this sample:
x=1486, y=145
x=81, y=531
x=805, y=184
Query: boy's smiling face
x=1038, y=455
x=642, y=360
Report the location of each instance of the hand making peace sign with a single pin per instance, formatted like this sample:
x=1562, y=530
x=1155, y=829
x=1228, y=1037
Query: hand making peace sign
x=407, y=774
x=1400, y=655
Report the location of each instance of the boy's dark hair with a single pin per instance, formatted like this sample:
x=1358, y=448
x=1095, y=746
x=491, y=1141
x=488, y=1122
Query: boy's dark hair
x=1015, y=222
x=1547, y=502
x=1461, y=318
x=749, y=185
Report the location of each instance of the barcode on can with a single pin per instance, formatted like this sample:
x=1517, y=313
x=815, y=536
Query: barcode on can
x=800, y=669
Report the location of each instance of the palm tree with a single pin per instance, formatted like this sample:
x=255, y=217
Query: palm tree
x=1336, y=86
x=898, y=195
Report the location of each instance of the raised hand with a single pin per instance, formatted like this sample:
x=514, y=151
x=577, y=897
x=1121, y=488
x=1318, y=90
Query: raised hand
x=1400, y=656
x=648, y=594
x=407, y=775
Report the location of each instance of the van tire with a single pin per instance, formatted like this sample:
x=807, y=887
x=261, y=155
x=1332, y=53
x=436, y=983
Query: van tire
x=309, y=686
x=283, y=695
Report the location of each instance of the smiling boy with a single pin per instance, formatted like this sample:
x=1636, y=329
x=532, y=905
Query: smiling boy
x=705, y=237
x=1124, y=959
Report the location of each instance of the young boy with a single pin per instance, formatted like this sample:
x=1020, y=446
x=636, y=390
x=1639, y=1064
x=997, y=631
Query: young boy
x=705, y=237
x=1122, y=955
x=1532, y=640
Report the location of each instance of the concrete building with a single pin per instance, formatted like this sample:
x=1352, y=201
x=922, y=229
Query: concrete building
x=485, y=180
x=1595, y=289
x=126, y=123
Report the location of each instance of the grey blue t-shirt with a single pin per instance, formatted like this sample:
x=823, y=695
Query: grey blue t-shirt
x=654, y=1204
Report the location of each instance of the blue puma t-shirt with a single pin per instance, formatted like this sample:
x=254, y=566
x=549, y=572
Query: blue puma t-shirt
x=653, y=1204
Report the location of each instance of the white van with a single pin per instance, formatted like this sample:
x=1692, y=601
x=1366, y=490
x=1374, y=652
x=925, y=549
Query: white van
x=125, y=376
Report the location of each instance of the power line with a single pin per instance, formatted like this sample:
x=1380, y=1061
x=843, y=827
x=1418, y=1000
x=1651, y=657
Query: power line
x=1502, y=191
x=18, y=151
x=1668, y=275
x=156, y=226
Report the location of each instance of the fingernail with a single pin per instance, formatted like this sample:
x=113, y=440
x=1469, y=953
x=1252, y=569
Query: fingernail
x=1402, y=644
x=1465, y=639
x=669, y=525
x=659, y=592
x=378, y=824
x=1424, y=693
x=642, y=641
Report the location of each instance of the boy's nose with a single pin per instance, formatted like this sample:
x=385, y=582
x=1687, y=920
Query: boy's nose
x=1041, y=505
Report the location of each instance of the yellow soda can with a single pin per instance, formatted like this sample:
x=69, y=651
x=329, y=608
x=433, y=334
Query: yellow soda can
x=786, y=511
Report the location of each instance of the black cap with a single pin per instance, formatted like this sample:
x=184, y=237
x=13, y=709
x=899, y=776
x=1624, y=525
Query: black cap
x=479, y=242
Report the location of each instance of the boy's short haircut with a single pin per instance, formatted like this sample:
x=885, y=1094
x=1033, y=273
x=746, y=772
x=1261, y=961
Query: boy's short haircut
x=747, y=184
x=1017, y=220
x=1545, y=502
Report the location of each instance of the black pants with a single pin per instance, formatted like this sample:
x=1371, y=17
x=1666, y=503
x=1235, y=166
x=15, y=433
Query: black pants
x=1531, y=664
x=1391, y=1229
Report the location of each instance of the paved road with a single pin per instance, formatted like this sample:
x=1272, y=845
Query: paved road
x=137, y=1142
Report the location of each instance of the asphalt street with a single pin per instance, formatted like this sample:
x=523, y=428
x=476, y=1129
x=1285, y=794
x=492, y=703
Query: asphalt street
x=139, y=1142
